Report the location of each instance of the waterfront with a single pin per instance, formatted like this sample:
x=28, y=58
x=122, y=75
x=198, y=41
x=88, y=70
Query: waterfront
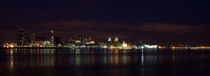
x=58, y=62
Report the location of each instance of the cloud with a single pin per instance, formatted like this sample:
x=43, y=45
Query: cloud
x=96, y=29
x=175, y=28
x=86, y=25
x=7, y=35
x=78, y=23
x=99, y=26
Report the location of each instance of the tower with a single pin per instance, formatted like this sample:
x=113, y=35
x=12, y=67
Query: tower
x=116, y=39
x=109, y=39
x=20, y=36
x=52, y=32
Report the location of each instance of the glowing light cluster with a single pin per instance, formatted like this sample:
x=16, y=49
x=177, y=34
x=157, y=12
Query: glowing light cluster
x=150, y=46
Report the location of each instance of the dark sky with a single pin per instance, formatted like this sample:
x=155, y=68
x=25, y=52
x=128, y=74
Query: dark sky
x=168, y=21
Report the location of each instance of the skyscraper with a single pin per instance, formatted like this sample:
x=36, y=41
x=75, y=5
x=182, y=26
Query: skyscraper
x=52, y=31
x=20, y=34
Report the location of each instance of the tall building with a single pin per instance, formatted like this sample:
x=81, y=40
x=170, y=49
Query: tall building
x=52, y=32
x=109, y=39
x=20, y=35
x=116, y=39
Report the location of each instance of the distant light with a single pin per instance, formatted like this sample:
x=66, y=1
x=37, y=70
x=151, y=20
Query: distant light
x=109, y=39
x=124, y=44
x=52, y=31
x=78, y=41
x=116, y=39
x=142, y=47
x=92, y=42
x=112, y=47
x=150, y=46
x=105, y=46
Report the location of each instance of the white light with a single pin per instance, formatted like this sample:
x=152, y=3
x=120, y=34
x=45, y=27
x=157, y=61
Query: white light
x=78, y=41
x=150, y=46
x=142, y=47
x=124, y=45
x=105, y=46
x=109, y=39
x=116, y=39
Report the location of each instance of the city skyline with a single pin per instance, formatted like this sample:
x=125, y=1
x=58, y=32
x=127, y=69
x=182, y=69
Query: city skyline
x=46, y=36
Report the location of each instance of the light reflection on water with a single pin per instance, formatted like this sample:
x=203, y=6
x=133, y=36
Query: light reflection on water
x=116, y=61
x=50, y=57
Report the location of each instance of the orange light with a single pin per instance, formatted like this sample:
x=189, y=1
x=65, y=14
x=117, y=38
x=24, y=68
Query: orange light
x=112, y=47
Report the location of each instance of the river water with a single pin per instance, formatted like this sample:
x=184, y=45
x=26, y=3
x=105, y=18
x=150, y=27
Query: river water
x=98, y=62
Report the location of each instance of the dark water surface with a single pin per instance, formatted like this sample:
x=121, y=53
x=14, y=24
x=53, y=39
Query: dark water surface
x=51, y=62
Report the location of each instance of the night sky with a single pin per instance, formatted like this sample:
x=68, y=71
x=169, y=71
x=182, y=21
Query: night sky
x=173, y=21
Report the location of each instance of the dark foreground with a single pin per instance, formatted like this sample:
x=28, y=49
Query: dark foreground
x=50, y=62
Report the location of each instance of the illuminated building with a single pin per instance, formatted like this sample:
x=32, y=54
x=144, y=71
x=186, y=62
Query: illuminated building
x=20, y=34
x=109, y=39
x=116, y=39
x=52, y=31
x=90, y=42
x=150, y=46
x=46, y=43
x=124, y=44
x=9, y=45
x=77, y=41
